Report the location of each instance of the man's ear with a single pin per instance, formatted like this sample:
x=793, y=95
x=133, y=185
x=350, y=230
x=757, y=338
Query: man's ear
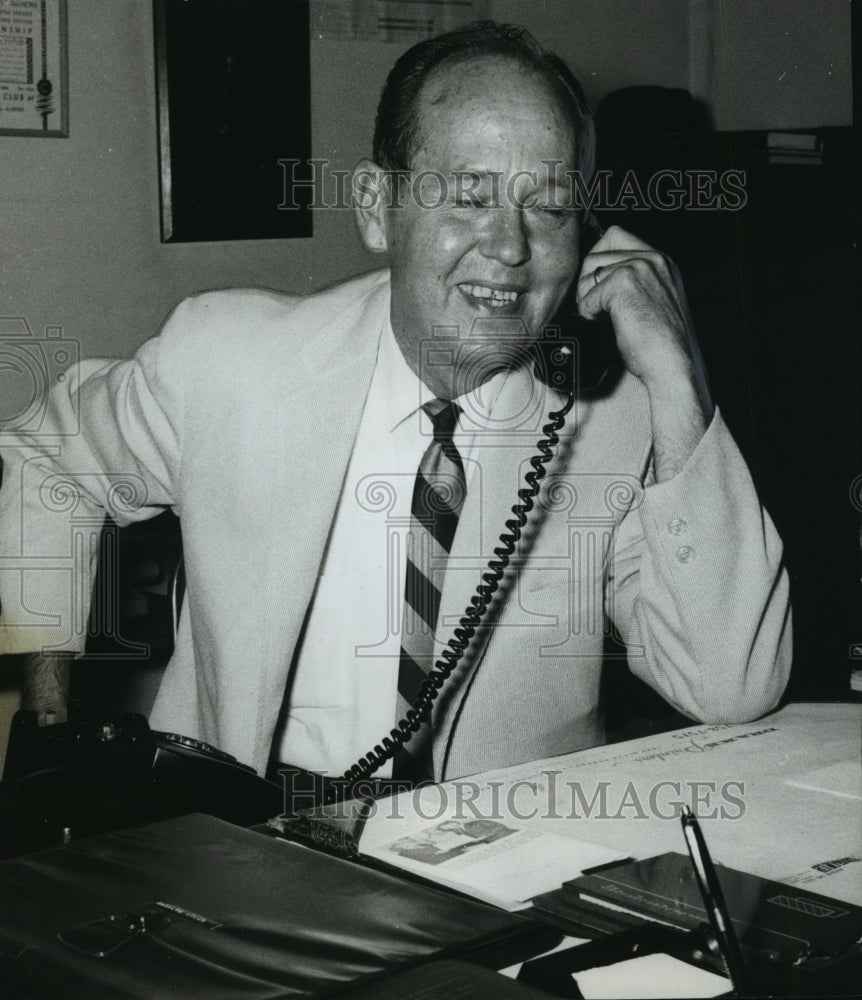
x=370, y=198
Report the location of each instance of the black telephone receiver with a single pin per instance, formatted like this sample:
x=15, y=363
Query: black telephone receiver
x=595, y=363
x=591, y=364
x=578, y=358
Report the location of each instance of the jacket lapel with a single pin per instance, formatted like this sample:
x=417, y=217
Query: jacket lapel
x=320, y=420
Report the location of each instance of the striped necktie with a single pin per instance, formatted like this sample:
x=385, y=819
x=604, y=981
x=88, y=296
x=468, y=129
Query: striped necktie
x=438, y=496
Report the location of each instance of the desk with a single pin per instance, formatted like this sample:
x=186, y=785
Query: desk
x=780, y=797
x=782, y=793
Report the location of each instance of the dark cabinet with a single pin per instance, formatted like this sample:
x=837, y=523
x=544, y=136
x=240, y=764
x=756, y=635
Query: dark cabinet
x=768, y=257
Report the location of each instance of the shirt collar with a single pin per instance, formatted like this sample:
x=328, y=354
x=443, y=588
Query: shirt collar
x=403, y=391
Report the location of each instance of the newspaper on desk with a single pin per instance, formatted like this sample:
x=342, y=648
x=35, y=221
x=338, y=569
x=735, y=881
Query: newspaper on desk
x=778, y=798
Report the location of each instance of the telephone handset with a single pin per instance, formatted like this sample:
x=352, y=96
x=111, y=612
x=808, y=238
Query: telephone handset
x=596, y=363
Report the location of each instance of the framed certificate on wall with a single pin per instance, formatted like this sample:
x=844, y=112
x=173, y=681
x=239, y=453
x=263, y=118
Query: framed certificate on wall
x=234, y=100
x=34, y=96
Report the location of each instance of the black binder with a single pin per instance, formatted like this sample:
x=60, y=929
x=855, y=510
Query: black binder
x=197, y=908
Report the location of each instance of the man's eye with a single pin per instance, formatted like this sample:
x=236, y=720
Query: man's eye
x=471, y=203
x=553, y=216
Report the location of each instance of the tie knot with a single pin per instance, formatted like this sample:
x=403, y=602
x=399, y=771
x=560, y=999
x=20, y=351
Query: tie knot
x=443, y=414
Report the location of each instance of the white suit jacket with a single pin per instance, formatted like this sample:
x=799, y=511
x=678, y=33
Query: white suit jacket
x=242, y=415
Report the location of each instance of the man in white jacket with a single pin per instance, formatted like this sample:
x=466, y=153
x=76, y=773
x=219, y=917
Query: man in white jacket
x=270, y=422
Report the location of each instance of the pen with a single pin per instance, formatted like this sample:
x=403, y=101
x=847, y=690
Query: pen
x=713, y=901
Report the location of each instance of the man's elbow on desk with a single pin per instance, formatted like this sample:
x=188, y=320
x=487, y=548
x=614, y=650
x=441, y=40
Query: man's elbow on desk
x=745, y=692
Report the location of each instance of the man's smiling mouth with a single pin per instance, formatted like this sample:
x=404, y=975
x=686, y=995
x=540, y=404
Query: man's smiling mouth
x=496, y=298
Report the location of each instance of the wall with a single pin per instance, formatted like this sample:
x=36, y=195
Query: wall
x=769, y=64
x=772, y=64
x=610, y=43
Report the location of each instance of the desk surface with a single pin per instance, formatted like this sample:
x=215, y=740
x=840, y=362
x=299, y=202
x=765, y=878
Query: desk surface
x=780, y=797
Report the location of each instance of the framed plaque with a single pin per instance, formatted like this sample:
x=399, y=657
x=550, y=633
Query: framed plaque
x=34, y=96
x=234, y=100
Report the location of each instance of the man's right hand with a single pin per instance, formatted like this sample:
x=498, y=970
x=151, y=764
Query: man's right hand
x=634, y=284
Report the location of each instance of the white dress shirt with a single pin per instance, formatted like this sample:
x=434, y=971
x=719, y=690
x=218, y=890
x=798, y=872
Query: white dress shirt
x=342, y=690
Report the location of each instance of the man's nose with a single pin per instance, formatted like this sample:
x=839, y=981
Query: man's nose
x=505, y=236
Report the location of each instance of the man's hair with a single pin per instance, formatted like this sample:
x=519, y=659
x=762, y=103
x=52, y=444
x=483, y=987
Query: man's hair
x=397, y=128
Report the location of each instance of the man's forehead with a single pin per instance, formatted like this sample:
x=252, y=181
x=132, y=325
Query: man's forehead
x=497, y=92
x=480, y=81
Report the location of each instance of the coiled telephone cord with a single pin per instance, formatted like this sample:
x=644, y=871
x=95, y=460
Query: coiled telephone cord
x=472, y=619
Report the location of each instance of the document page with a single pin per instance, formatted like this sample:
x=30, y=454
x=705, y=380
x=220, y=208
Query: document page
x=486, y=858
